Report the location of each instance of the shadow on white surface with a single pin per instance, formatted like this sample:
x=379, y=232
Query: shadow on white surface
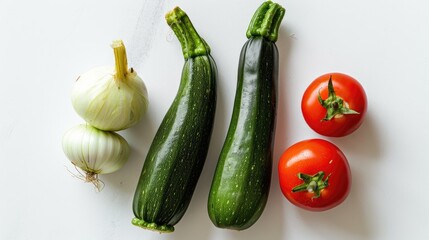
x=352, y=217
x=283, y=125
x=139, y=137
x=364, y=143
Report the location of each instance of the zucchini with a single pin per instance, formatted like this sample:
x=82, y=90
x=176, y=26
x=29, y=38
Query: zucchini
x=177, y=154
x=241, y=182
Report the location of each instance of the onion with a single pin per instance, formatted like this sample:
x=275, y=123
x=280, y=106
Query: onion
x=111, y=98
x=95, y=151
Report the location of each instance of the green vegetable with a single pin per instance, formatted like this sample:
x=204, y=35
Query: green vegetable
x=241, y=182
x=178, y=152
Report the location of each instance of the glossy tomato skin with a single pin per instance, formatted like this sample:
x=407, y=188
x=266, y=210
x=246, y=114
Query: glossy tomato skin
x=347, y=88
x=310, y=157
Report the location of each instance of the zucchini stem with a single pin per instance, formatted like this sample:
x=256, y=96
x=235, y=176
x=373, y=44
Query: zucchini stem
x=121, y=64
x=266, y=21
x=152, y=226
x=192, y=44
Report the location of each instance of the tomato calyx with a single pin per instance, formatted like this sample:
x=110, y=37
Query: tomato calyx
x=334, y=105
x=313, y=184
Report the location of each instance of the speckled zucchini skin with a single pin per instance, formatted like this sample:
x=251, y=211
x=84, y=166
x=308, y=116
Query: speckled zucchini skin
x=178, y=152
x=242, y=177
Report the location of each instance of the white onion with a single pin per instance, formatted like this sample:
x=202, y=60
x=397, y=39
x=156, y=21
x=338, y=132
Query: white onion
x=95, y=151
x=111, y=98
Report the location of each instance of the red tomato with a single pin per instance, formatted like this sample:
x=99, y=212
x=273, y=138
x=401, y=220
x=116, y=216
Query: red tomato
x=334, y=105
x=314, y=175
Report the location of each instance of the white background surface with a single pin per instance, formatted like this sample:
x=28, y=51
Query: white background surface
x=47, y=44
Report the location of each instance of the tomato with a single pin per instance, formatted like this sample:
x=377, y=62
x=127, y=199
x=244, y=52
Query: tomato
x=334, y=105
x=314, y=175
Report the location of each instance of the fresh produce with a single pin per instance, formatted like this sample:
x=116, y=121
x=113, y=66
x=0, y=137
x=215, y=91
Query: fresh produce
x=314, y=175
x=334, y=105
x=95, y=151
x=178, y=152
x=111, y=98
x=242, y=178
x=108, y=99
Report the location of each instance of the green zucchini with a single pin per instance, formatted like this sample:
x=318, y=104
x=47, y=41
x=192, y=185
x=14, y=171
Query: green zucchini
x=241, y=182
x=177, y=154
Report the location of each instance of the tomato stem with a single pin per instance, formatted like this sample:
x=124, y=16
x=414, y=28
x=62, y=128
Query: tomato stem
x=312, y=183
x=334, y=105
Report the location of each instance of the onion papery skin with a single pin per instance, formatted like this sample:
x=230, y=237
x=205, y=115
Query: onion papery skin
x=107, y=103
x=95, y=151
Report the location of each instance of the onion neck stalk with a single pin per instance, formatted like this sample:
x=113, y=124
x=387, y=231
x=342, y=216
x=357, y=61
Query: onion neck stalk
x=121, y=63
x=192, y=44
